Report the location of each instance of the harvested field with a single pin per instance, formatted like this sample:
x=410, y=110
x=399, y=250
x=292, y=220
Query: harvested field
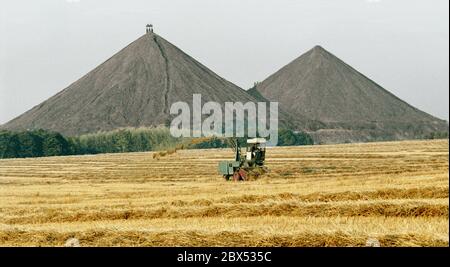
x=336, y=195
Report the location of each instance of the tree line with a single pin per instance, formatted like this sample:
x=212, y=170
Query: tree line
x=285, y=138
x=37, y=143
x=41, y=143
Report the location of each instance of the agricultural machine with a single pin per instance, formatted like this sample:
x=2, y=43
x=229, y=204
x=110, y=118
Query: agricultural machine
x=248, y=166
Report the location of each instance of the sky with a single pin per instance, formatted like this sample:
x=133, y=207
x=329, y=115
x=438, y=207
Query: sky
x=403, y=45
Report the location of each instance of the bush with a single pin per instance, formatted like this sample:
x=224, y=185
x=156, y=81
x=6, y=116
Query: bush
x=9, y=145
x=437, y=135
x=290, y=138
x=54, y=144
x=30, y=145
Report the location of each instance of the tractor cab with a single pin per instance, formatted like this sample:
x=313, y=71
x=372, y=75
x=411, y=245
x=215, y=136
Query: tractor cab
x=256, y=151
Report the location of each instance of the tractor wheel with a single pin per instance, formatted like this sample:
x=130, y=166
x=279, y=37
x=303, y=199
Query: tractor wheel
x=243, y=175
x=236, y=176
x=240, y=175
x=227, y=177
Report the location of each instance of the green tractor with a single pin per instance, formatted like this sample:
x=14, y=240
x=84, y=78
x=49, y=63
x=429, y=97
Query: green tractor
x=248, y=166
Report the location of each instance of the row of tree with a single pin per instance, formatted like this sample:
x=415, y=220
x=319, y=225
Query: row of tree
x=33, y=144
x=285, y=138
x=40, y=143
x=124, y=140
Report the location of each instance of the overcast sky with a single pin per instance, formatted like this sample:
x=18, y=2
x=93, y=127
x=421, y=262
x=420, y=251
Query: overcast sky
x=401, y=44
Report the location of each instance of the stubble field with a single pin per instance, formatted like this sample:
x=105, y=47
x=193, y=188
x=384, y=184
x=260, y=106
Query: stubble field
x=338, y=195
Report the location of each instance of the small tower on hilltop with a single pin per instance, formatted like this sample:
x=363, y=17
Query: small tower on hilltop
x=149, y=28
